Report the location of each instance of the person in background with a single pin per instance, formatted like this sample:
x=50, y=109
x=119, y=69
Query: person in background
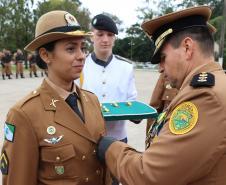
x=19, y=59
x=162, y=95
x=7, y=58
x=32, y=65
x=107, y=75
x=187, y=144
x=3, y=65
x=51, y=135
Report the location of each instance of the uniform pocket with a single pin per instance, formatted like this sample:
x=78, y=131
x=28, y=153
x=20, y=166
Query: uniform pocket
x=58, y=162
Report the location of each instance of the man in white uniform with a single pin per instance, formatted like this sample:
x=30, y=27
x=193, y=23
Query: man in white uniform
x=107, y=75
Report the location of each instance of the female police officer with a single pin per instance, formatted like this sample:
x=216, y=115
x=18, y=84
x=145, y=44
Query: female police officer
x=50, y=137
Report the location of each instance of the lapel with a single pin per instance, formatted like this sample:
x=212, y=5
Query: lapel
x=93, y=123
x=63, y=114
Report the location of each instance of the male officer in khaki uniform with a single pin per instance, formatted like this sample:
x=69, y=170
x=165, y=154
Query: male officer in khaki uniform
x=187, y=144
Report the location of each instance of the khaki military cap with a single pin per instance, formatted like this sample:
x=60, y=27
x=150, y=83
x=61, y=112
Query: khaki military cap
x=160, y=28
x=53, y=26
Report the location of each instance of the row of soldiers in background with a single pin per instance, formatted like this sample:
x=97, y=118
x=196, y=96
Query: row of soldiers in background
x=7, y=58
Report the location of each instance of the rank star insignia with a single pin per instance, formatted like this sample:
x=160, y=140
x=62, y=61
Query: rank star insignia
x=54, y=140
x=4, y=163
x=184, y=118
x=53, y=102
x=203, y=79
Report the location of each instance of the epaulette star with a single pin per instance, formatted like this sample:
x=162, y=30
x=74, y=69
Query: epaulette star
x=203, y=80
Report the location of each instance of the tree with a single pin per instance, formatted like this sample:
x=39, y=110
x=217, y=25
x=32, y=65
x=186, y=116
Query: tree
x=216, y=5
x=135, y=46
x=16, y=23
x=71, y=6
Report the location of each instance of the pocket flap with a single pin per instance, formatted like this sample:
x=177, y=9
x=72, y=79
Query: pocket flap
x=57, y=154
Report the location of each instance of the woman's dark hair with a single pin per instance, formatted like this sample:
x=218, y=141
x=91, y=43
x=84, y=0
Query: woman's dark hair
x=49, y=47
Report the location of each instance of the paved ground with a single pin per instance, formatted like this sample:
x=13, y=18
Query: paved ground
x=14, y=89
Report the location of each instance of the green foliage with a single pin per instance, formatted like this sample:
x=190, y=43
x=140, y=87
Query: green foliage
x=136, y=46
x=216, y=5
x=18, y=19
x=71, y=6
x=16, y=23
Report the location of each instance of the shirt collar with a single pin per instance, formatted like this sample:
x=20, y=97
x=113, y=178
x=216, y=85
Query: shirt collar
x=101, y=62
x=62, y=93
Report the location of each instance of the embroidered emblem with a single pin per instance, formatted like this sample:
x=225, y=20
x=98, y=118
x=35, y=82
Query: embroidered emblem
x=59, y=170
x=203, y=80
x=51, y=130
x=53, y=102
x=9, y=131
x=70, y=19
x=183, y=118
x=54, y=140
x=4, y=163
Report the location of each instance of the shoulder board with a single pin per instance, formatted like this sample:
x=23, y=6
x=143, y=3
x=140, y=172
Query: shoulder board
x=30, y=96
x=203, y=80
x=86, y=91
x=124, y=59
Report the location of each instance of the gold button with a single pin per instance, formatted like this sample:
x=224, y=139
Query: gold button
x=86, y=179
x=83, y=157
x=94, y=152
x=58, y=158
x=34, y=92
x=98, y=172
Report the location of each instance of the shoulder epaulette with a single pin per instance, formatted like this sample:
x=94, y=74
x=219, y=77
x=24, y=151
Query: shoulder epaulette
x=87, y=91
x=203, y=80
x=30, y=96
x=124, y=59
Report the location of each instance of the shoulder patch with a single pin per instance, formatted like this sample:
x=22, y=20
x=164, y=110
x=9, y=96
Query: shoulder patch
x=124, y=59
x=4, y=163
x=183, y=118
x=9, y=131
x=203, y=80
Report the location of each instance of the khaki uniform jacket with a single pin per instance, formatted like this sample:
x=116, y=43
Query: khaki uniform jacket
x=161, y=97
x=34, y=160
x=197, y=157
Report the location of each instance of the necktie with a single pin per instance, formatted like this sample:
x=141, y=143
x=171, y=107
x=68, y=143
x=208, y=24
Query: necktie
x=72, y=102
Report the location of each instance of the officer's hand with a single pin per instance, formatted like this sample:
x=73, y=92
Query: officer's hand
x=102, y=147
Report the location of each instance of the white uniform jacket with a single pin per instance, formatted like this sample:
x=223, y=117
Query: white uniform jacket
x=111, y=81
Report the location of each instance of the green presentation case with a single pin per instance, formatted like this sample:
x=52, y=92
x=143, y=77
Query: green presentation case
x=133, y=110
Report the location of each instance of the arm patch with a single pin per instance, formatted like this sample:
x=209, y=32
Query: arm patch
x=4, y=163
